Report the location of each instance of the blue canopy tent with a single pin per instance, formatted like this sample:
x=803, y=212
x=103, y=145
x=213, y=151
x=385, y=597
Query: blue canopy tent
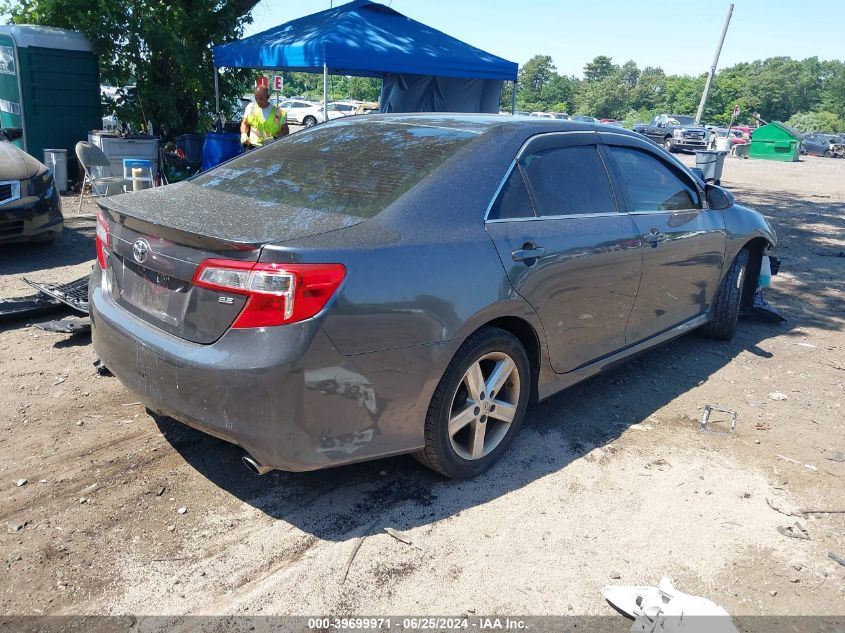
x=422, y=69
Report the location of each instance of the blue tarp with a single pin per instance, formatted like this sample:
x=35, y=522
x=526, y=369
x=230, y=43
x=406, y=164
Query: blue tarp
x=366, y=39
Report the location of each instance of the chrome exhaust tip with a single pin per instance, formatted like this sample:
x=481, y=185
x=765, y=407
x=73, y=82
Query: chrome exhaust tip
x=254, y=466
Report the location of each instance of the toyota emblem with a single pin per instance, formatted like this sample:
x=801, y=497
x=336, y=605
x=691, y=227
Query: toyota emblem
x=140, y=250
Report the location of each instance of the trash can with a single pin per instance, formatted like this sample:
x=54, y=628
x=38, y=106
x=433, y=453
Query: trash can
x=219, y=148
x=56, y=160
x=710, y=162
x=191, y=144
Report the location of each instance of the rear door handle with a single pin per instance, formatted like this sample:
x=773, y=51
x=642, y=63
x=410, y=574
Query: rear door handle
x=528, y=251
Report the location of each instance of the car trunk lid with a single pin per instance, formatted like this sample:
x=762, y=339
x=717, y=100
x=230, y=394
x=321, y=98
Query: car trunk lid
x=158, y=239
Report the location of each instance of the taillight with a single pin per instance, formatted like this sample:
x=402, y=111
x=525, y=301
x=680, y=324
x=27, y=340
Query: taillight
x=102, y=238
x=277, y=293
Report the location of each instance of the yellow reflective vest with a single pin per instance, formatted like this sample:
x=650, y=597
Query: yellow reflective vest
x=261, y=129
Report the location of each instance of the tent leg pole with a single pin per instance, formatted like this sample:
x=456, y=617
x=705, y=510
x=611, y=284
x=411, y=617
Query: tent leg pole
x=216, y=91
x=513, y=102
x=325, y=93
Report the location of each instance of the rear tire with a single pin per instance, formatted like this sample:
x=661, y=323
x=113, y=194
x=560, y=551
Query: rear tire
x=309, y=121
x=467, y=430
x=728, y=300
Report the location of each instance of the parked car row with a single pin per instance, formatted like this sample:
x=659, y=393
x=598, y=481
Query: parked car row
x=675, y=132
x=735, y=136
x=563, y=116
x=828, y=145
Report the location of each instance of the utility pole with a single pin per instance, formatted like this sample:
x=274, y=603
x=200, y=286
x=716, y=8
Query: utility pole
x=712, y=72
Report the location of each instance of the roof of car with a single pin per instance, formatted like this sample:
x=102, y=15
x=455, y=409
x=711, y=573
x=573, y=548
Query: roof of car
x=483, y=122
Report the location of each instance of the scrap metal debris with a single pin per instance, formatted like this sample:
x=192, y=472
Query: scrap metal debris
x=29, y=306
x=66, y=326
x=762, y=310
x=794, y=531
x=838, y=559
x=73, y=294
x=705, y=419
x=101, y=368
x=664, y=608
x=49, y=298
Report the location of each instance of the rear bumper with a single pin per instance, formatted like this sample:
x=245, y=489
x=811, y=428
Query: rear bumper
x=31, y=217
x=284, y=394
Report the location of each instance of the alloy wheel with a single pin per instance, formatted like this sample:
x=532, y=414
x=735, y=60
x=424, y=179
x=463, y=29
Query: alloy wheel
x=484, y=405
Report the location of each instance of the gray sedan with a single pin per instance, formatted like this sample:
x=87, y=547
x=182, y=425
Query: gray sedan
x=410, y=283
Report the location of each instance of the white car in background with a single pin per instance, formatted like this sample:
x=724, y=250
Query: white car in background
x=302, y=112
x=338, y=109
x=307, y=113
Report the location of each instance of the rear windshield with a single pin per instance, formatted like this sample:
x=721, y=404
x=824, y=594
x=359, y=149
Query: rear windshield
x=683, y=120
x=355, y=168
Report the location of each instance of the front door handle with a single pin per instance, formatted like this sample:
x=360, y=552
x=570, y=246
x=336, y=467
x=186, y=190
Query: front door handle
x=528, y=251
x=654, y=237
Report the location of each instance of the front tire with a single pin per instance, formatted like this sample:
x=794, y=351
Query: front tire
x=728, y=300
x=669, y=145
x=478, y=406
x=828, y=153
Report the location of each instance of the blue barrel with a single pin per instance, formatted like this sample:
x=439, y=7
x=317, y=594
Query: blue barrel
x=219, y=148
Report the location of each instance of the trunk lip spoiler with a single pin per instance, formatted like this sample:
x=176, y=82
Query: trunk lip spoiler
x=180, y=236
x=122, y=215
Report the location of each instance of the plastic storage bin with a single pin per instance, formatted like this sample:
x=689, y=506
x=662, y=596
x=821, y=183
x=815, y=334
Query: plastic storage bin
x=219, y=148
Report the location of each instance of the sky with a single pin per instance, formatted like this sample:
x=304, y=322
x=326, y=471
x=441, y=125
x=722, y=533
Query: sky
x=680, y=36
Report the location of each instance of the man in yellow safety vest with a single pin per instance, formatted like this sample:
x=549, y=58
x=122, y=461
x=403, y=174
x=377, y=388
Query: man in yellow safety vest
x=262, y=121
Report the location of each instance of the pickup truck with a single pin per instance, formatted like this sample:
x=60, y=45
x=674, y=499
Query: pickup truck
x=675, y=132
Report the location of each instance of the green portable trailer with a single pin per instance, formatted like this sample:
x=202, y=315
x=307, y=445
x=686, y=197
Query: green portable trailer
x=776, y=141
x=49, y=87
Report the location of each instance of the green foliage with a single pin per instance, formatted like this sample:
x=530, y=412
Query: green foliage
x=775, y=88
x=817, y=122
x=600, y=68
x=162, y=47
x=533, y=77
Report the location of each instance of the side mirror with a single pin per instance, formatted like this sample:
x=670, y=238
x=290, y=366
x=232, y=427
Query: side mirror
x=12, y=133
x=718, y=198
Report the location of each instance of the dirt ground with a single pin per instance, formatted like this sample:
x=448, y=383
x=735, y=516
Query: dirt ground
x=610, y=482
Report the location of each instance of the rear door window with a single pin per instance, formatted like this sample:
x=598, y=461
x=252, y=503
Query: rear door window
x=569, y=181
x=651, y=185
x=513, y=200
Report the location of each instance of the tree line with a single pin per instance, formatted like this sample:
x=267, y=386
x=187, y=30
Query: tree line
x=808, y=93
x=164, y=49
